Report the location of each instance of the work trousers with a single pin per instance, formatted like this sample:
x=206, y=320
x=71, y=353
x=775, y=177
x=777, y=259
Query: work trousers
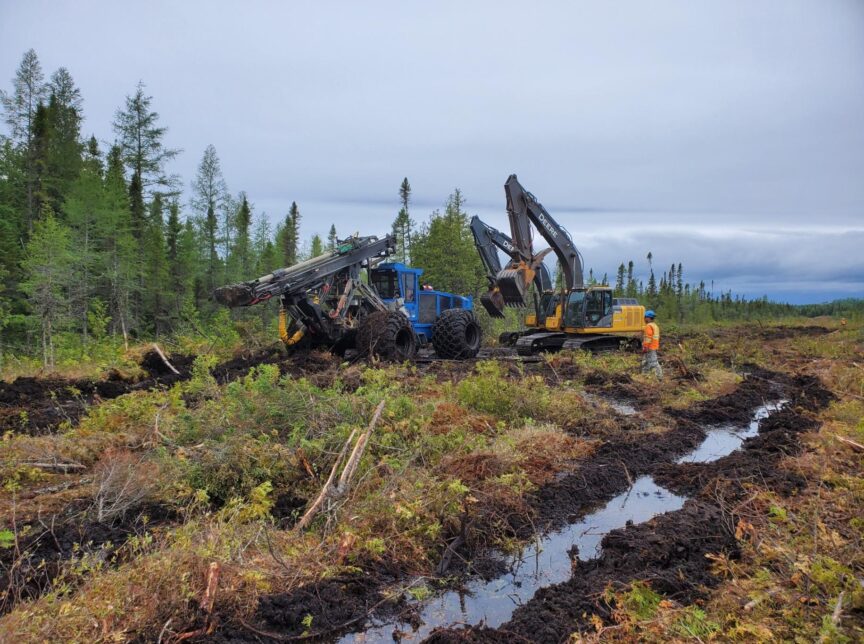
x=651, y=363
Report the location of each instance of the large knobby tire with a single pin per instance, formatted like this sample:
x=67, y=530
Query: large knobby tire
x=456, y=334
x=387, y=335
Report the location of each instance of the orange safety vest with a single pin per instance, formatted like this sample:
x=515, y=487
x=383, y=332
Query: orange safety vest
x=651, y=336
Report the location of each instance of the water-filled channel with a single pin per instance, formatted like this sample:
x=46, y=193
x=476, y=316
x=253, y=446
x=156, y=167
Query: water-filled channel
x=548, y=560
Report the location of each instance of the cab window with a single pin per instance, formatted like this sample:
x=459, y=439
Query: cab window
x=408, y=286
x=598, y=307
x=386, y=284
x=574, y=308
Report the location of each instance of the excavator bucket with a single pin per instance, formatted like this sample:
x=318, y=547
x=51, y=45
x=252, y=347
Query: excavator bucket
x=235, y=295
x=512, y=283
x=493, y=302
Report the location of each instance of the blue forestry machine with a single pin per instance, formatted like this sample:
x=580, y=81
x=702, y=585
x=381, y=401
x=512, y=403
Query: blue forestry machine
x=325, y=303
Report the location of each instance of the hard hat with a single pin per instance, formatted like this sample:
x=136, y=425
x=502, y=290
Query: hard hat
x=650, y=314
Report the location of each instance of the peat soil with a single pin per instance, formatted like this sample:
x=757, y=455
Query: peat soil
x=40, y=405
x=668, y=550
x=30, y=567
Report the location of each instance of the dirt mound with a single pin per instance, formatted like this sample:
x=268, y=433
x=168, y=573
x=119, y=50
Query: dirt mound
x=313, y=611
x=669, y=551
x=783, y=332
x=29, y=573
x=39, y=406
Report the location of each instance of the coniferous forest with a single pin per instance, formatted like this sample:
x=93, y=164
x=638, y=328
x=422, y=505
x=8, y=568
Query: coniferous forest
x=100, y=241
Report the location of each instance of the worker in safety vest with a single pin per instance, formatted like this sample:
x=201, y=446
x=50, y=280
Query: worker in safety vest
x=650, y=345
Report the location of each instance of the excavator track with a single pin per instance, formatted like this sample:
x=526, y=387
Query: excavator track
x=533, y=343
x=596, y=343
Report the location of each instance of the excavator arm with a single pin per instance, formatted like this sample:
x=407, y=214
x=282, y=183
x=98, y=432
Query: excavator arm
x=524, y=209
x=488, y=240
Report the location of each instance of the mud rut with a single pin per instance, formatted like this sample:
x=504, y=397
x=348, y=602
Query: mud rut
x=668, y=550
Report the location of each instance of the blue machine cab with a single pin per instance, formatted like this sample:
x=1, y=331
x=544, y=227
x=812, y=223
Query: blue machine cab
x=396, y=281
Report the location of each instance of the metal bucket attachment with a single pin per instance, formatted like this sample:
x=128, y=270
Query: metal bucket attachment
x=234, y=295
x=493, y=302
x=512, y=285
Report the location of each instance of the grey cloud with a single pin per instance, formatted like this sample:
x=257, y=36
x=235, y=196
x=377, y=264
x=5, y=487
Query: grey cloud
x=684, y=115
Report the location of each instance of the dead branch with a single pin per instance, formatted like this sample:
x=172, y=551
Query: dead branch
x=64, y=467
x=319, y=501
x=347, y=473
x=164, y=359
x=858, y=447
x=207, y=603
x=357, y=454
x=838, y=609
x=29, y=494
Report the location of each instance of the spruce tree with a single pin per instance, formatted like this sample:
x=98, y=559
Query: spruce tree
x=316, y=246
x=209, y=196
x=290, y=236
x=142, y=141
x=121, y=260
x=631, y=283
x=85, y=214
x=156, y=269
x=619, y=280
x=47, y=268
x=331, y=237
x=29, y=90
x=241, y=253
x=403, y=225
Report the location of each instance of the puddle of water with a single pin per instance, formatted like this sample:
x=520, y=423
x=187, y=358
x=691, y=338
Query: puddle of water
x=623, y=408
x=540, y=565
x=547, y=562
x=722, y=441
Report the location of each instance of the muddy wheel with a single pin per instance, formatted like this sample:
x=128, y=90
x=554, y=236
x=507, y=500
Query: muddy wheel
x=456, y=334
x=387, y=335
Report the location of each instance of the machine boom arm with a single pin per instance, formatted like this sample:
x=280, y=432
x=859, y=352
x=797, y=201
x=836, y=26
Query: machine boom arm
x=298, y=279
x=523, y=207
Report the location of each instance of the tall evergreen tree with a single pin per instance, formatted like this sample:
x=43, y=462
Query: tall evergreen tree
x=403, y=225
x=47, y=267
x=156, y=269
x=84, y=207
x=619, y=280
x=209, y=196
x=289, y=241
x=631, y=283
x=121, y=259
x=29, y=90
x=242, y=251
x=142, y=140
x=331, y=237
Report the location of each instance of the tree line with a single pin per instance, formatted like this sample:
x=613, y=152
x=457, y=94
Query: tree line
x=96, y=242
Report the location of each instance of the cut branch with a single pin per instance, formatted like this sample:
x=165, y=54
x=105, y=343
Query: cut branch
x=164, y=359
x=329, y=491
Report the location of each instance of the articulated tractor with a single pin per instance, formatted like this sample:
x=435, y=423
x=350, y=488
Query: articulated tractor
x=325, y=303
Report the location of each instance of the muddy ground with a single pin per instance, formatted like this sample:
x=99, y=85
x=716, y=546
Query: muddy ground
x=669, y=550
x=41, y=405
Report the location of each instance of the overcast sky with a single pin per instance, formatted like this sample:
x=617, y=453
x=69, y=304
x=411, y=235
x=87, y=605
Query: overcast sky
x=728, y=136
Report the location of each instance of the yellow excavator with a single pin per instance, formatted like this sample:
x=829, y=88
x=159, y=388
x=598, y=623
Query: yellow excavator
x=576, y=316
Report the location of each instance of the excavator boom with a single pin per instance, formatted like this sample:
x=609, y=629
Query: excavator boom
x=488, y=241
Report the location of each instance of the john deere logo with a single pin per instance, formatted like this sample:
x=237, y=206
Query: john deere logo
x=547, y=225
